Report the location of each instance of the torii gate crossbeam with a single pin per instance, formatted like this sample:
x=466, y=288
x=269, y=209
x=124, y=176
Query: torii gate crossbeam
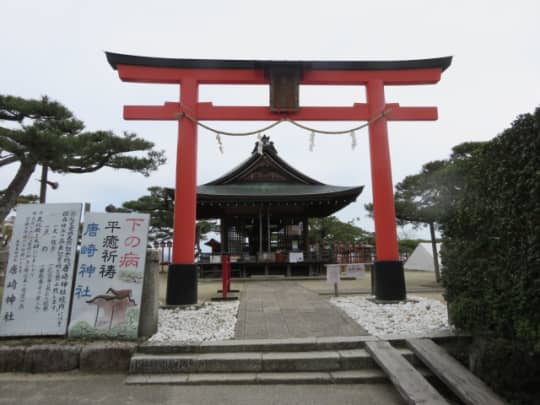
x=284, y=79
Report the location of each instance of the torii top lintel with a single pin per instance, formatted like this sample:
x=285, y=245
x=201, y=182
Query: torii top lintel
x=284, y=78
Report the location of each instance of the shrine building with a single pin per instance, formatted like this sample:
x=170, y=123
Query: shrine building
x=264, y=205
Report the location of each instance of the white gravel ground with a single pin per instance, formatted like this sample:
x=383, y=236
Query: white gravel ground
x=212, y=321
x=423, y=317
x=216, y=321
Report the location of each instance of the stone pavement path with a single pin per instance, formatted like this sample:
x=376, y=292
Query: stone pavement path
x=107, y=389
x=285, y=309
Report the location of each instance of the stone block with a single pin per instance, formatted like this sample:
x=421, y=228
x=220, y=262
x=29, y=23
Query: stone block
x=229, y=362
x=163, y=364
x=170, y=379
x=368, y=376
x=342, y=342
x=309, y=377
x=50, y=358
x=168, y=347
x=222, y=378
x=301, y=361
x=11, y=358
x=148, y=322
x=106, y=356
x=355, y=359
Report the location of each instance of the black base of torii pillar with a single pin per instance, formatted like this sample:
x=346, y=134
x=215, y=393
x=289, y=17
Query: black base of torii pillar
x=389, y=281
x=182, y=284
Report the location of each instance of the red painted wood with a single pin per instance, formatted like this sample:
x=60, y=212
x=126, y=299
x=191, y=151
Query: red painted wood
x=185, y=202
x=391, y=77
x=168, y=111
x=146, y=74
x=374, y=80
x=381, y=177
x=412, y=114
x=209, y=112
x=206, y=111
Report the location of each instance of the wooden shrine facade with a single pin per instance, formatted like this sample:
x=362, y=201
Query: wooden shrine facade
x=263, y=206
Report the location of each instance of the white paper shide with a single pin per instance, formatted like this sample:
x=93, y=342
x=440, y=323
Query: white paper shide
x=109, y=277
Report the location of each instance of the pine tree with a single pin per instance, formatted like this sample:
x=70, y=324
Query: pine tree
x=44, y=132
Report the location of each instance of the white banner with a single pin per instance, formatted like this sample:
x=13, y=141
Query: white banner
x=109, y=278
x=39, y=274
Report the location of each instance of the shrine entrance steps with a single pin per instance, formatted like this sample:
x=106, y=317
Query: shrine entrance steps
x=257, y=361
x=323, y=360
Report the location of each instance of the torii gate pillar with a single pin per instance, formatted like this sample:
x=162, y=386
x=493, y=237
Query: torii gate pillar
x=388, y=270
x=182, y=274
x=284, y=79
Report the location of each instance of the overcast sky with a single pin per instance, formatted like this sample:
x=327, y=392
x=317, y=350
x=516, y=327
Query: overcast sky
x=56, y=48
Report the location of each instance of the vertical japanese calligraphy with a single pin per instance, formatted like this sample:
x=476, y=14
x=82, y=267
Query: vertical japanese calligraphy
x=39, y=275
x=109, y=277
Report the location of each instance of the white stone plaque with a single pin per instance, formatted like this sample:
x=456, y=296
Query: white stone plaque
x=109, y=276
x=39, y=274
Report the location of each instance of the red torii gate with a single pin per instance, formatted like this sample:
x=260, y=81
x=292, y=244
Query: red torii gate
x=284, y=79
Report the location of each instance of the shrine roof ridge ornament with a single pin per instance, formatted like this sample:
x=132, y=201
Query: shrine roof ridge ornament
x=116, y=59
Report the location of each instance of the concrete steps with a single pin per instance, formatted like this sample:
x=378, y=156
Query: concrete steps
x=271, y=361
x=311, y=377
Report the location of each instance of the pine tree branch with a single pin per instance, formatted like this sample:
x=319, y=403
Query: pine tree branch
x=8, y=160
x=8, y=197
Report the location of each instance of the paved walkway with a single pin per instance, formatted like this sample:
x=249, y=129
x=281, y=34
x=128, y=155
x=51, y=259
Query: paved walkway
x=278, y=309
x=109, y=389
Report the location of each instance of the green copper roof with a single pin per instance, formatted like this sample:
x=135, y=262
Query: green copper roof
x=264, y=191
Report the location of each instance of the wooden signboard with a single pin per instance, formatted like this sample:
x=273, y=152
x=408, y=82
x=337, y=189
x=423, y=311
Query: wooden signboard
x=109, y=278
x=39, y=274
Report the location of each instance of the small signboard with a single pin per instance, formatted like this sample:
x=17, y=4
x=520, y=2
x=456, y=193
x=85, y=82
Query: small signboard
x=333, y=273
x=296, y=257
x=39, y=274
x=109, y=276
x=355, y=270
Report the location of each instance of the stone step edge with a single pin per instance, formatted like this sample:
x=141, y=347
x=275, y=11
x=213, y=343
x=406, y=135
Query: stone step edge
x=371, y=376
x=357, y=359
x=232, y=356
x=250, y=362
x=284, y=345
x=259, y=345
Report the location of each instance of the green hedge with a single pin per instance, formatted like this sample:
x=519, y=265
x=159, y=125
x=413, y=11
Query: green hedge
x=491, y=253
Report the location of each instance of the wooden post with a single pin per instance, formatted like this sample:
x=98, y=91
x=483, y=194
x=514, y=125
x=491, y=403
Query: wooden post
x=260, y=232
x=435, y=253
x=186, y=179
x=182, y=276
x=390, y=279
